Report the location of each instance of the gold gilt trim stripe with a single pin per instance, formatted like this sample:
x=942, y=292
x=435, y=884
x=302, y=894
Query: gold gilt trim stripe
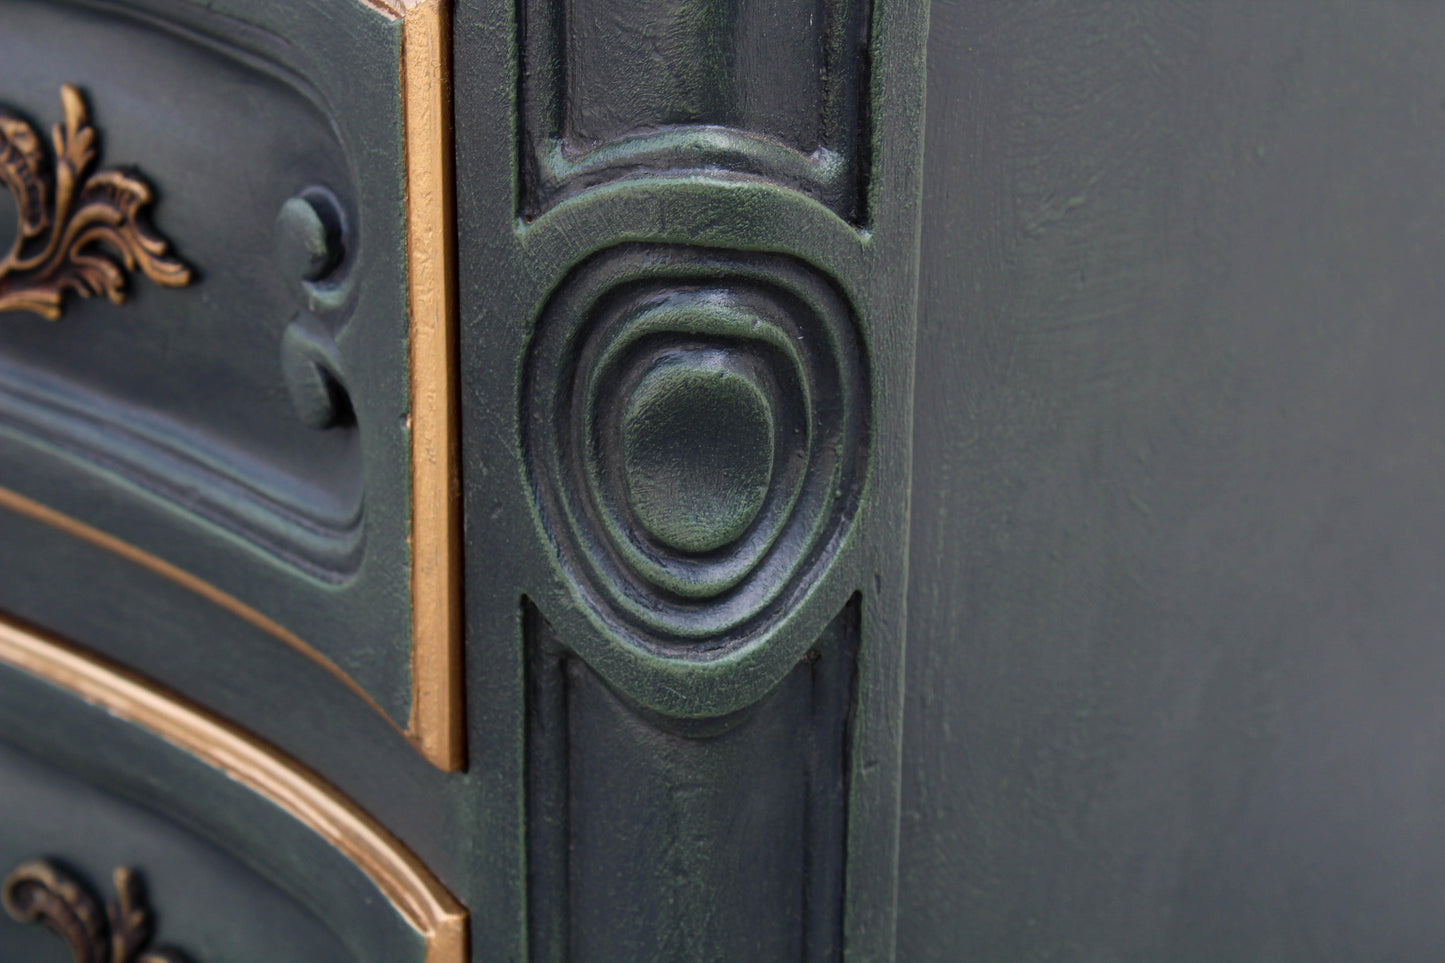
x=437, y=716
x=417, y=895
x=75, y=528
x=436, y=725
x=437, y=721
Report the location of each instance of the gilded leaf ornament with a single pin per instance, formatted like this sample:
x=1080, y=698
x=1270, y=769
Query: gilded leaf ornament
x=41, y=892
x=79, y=230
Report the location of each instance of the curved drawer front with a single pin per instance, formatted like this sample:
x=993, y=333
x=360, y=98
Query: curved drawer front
x=233, y=408
x=119, y=795
x=62, y=843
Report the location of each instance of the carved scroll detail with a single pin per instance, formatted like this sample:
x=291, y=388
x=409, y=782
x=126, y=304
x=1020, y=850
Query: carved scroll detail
x=41, y=892
x=87, y=235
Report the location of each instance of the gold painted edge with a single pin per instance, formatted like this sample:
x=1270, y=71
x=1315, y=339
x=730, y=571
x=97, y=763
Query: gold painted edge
x=75, y=528
x=419, y=897
x=391, y=9
x=437, y=720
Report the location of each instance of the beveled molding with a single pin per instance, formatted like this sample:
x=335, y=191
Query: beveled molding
x=75, y=528
x=436, y=724
x=417, y=895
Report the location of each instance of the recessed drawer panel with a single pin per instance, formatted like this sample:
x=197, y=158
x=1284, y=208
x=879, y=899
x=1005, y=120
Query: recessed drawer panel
x=182, y=392
x=209, y=314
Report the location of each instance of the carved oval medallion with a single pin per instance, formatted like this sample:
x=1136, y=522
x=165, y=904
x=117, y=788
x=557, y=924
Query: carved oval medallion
x=696, y=424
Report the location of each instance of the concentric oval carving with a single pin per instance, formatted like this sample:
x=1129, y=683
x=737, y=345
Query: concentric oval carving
x=696, y=428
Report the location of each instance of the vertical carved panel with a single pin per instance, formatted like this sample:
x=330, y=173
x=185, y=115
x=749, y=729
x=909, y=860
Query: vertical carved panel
x=656, y=838
x=769, y=88
x=710, y=290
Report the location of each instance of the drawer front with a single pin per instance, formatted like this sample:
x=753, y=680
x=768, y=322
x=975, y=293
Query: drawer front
x=683, y=695
x=234, y=410
x=117, y=793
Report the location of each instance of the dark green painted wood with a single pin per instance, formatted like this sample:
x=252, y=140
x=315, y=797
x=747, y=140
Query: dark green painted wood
x=211, y=907
x=1175, y=611
x=132, y=799
x=567, y=258
x=1173, y=454
x=711, y=840
x=163, y=421
x=229, y=109
x=821, y=241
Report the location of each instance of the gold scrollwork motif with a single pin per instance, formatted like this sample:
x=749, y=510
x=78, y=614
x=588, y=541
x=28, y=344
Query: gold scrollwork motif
x=41, y=892
x=89, y=234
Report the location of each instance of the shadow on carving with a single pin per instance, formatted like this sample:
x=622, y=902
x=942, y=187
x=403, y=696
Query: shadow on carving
x=110, y=391
x=767, y=89
x=696, y=423
x=727, y=837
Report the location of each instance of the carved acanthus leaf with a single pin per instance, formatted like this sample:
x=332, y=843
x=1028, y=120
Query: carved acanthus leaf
x=42, y=892
x=78, y=231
